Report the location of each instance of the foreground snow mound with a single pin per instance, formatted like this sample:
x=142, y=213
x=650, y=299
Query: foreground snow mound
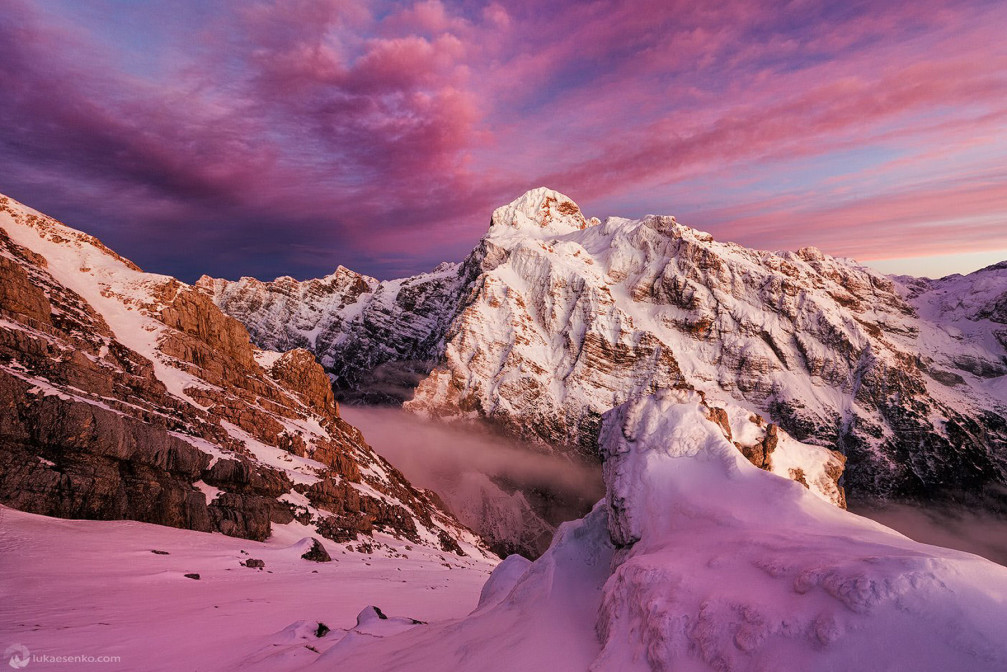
x=698, y=560
x=725, y=568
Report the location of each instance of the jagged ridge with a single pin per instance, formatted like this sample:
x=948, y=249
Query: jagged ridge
x=555, y=318
x=131, y=395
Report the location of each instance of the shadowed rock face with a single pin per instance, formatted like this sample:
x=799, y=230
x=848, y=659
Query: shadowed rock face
x=555, y=318
x=75, y=460
x=376, y=339
x=126, y=395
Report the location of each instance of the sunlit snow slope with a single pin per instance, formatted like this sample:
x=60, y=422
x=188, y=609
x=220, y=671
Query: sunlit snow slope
x=697, y=560
x=97, y=588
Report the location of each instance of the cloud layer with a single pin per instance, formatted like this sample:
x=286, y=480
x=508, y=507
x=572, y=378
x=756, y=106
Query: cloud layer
x=289, y=136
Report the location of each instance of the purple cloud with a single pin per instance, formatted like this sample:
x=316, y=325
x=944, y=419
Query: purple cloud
x=289, y=137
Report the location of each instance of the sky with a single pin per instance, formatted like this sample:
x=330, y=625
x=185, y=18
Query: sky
x=288, y=137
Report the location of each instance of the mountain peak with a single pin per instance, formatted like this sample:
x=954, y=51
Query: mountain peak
x=541, y=210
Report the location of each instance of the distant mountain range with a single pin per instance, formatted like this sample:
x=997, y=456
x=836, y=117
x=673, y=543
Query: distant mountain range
x=554, y=318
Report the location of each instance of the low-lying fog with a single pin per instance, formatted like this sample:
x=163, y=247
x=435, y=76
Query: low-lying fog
x=514, y=495
x=973, y=531
x=510, y=493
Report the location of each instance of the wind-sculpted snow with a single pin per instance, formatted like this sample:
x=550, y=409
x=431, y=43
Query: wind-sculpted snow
x=763, y=576
x=129, y=395
x=698, y=560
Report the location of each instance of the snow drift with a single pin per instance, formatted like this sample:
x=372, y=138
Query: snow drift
x=723, y=567
x=697, y=560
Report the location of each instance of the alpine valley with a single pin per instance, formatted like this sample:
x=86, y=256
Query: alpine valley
x=691, y=417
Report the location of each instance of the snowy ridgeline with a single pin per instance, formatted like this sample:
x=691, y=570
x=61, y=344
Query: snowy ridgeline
x=555, y=318
x=697, y=560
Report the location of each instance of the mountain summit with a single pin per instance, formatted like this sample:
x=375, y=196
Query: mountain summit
x=542, y=212
x=554, y=319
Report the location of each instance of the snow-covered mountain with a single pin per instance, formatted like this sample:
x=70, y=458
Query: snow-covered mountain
x=129, y=395
x=376, y=339
x=555, y=318
x=713, y=382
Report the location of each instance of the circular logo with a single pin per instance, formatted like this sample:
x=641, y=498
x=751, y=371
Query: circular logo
x=17, y=656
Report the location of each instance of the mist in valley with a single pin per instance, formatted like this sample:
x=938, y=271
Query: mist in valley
x=512, y=494
x=952, y=526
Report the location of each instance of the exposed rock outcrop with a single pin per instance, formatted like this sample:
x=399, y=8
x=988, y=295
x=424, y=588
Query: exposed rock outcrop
x=299, y=372
x=131, y=395
x=316, y=553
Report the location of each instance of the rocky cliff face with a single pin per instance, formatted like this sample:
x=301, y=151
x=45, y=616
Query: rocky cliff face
x=556, y=318
x=131, y=395
x=376, y=339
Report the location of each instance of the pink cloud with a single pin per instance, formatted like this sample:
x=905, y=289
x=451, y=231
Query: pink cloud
x=384, y=131
x=928, y=218
x=429, y=18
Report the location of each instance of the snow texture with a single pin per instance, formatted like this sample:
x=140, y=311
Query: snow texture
x=697, y=560
x=96, y=588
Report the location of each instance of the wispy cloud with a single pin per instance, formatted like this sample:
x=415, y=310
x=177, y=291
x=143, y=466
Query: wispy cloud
x=287, y=137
